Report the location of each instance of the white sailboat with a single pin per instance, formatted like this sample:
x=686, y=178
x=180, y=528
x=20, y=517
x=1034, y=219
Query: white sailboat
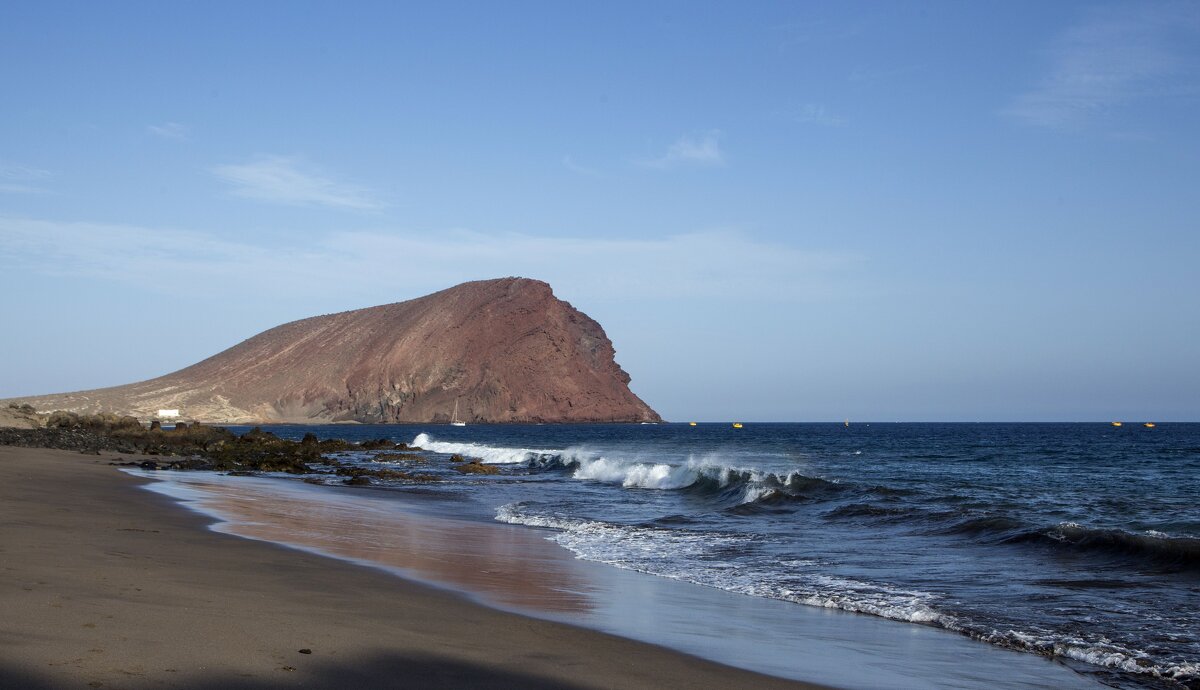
x=454, y=420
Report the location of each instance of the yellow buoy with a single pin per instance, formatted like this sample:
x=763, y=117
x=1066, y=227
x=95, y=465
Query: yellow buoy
x=737, y=425
x=691, y=424
x=1116, y=424
x=1149, y=425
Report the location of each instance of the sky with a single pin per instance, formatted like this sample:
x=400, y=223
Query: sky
x=885, y=211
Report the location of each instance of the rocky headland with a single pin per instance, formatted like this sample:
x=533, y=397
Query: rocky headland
x=504, y=350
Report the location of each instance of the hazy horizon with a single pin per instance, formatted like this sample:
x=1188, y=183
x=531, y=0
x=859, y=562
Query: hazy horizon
x=867, y=211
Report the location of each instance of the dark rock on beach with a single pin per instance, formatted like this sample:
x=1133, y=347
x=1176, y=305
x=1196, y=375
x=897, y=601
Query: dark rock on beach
x=203, y=447
x=388, y=474
x=472, y=465
x=397, y=457
x=476, y=467
x=378, y=444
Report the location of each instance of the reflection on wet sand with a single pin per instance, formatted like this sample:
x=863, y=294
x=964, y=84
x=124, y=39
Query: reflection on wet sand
x=515, y=568
x=509, y=567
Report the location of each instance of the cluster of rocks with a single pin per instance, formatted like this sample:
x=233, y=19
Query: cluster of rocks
x=202, y=447
x=397, y=457
x=472, y=465
x=362, y=475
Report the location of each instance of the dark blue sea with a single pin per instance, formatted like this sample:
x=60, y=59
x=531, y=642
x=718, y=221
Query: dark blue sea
x=1075, y=541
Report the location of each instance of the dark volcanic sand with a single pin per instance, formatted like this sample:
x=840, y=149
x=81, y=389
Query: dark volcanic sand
x=105, y=585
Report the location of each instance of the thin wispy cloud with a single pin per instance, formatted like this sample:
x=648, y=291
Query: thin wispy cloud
x=865, y=76
x=570, y=164
x=1114, y=57
x=169, y=130
x=716, y=265
x=690, y=150
x=292, y=181
x=10, y=188
x=22, y=172
x=795, y=34
x=815, y=114
x=22, y=179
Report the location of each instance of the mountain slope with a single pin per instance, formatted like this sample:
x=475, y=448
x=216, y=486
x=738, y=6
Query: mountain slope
x=507, y=350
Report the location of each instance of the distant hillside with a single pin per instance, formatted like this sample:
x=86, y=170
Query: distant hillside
x=506, y=350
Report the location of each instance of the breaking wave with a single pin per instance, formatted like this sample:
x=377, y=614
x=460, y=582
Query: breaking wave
x=706, y=476
x=488, y=454
x=1181, y=553
x=1146, y=548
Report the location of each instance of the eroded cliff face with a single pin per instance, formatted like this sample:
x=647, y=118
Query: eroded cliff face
x=506, y=350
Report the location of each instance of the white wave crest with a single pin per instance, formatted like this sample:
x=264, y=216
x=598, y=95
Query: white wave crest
x=492, y=455
x=686, y=555
x=512, y=514
x=641, y=475
x=755, y=484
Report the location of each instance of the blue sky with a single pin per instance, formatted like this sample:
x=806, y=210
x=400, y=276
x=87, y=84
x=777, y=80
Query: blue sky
x=794, y=211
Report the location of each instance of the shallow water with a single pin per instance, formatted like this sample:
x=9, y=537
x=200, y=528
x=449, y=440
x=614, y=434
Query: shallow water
x=516, y=569
x=1076, y=541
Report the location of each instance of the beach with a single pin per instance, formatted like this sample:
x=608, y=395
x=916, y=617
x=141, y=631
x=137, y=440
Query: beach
x=591, y=556
x=108, y=585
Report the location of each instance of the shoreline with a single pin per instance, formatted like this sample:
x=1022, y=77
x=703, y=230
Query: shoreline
x=361, y=529
x=109, y=585
x=518, y=569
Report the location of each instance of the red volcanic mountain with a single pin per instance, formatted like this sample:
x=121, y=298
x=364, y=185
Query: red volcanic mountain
x=505, y=350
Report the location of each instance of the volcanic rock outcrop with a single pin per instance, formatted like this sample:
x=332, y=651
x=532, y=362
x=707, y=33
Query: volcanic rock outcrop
x=504, y=350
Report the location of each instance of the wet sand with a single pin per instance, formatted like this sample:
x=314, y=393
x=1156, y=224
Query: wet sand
x=430, y=537
x=107, y=585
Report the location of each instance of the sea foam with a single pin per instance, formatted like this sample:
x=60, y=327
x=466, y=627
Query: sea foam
x=708, y=474
x=489, y=454
x=684, y=555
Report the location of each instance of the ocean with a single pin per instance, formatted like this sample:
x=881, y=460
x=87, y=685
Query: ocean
x=1078, y=542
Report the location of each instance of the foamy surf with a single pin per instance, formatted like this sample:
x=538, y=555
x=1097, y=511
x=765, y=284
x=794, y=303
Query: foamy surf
x=737, y=484
x=686, y=556
x=488, y=454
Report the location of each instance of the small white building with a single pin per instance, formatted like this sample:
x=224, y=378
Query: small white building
x=168, y=414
